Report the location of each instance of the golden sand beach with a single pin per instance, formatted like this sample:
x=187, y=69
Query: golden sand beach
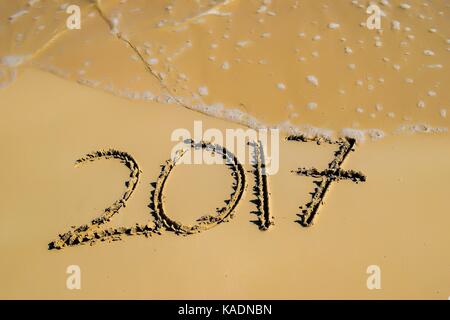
x=89, y=179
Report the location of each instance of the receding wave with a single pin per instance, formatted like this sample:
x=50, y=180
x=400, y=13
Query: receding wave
x=296, y=65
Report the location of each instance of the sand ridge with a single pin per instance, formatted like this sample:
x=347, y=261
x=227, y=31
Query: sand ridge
x=92, y=233
x=261, y=188
x=333, y=173
x=223, y=214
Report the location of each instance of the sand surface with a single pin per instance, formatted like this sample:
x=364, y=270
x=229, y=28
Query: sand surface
x=130, y=77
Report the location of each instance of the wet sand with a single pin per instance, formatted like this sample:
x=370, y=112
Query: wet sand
x=397, y=219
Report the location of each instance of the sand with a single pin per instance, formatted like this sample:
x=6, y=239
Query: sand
x=372, y=189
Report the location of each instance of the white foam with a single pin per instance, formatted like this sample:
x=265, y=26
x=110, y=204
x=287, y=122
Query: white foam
x=312, y=105
x=405, y=6
x=226, y=65
x=153, y=61
x=7, y=76
x=313, y=80
x=32, y=2
x=12, y=60
x=333, y=25
x=243, y=43
x=360, y=134
x=421, y=104
x=281, y=86
x=435, y=66
x=395, y=25
x=17, y=15
x=203, y=91
x=421, y=128
x=375, y=134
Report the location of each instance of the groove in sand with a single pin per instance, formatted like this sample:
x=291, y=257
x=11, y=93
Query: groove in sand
x=224, y=214
x=326, y=177
x=261, y=188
